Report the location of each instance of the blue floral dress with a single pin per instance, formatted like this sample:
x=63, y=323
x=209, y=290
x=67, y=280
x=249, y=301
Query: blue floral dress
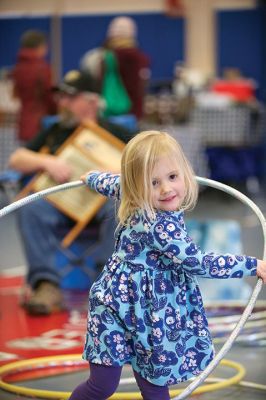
x=145, y=308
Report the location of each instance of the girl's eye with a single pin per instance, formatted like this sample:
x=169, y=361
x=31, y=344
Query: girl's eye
x=173, y=177
x=155, y=182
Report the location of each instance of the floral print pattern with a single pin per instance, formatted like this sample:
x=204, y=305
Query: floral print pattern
x=145, y=308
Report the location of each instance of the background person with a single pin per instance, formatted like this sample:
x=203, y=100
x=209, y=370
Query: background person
x=146, y=308
x=32, y=77
x=79, y=100
x=133, y=63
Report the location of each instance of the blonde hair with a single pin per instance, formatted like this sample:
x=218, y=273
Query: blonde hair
x=137, y=164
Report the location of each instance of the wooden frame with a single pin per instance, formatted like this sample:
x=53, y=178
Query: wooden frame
x=90, y=147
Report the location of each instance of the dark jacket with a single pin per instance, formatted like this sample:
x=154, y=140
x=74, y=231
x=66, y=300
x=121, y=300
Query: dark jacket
x=54, y=136
x=131, y=62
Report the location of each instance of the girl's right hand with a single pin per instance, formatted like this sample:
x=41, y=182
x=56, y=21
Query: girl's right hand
x=261, y=270
x=84, y=176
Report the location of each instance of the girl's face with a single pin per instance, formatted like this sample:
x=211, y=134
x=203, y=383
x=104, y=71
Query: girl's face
x=168, y=186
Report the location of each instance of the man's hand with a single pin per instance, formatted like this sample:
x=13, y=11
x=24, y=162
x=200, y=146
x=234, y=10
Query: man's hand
x=58, y=169
x=30, y=162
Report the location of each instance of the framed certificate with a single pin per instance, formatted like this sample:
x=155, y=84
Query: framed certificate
x=90, y=147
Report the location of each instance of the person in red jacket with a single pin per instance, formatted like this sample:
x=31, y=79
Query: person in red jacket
x=133, y=63
x=32, y=77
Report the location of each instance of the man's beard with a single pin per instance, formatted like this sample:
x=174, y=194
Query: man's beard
x=68, y=119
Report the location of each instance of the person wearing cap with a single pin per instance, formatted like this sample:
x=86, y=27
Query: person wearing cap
x=78, y=100
x=133, y=63
x=32, y=78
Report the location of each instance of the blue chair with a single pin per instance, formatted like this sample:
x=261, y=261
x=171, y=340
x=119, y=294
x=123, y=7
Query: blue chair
x=9, y=183
x=127, y=121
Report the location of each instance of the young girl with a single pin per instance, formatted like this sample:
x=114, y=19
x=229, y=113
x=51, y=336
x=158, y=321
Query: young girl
x=146, y=308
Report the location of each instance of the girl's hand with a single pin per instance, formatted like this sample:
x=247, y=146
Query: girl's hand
x=83, y=177
x=261, y=270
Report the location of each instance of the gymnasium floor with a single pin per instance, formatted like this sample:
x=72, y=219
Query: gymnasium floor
x=24, y=337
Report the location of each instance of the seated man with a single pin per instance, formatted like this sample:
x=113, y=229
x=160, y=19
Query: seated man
x=78, y=100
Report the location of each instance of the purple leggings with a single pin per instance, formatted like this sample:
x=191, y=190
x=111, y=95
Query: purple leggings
x=104, y=380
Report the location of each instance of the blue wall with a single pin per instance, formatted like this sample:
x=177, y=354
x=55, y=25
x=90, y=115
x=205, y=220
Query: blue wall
x=10, y=31
x=240, y=43
x=162, y=38
x=240, y=40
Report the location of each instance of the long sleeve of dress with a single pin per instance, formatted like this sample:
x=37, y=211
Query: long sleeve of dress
x=171, y=238
x=104, y=183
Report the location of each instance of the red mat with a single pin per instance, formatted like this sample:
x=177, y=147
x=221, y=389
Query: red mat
x=23, y=336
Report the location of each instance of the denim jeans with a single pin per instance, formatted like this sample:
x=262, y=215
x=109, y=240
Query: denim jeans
x=40, y=225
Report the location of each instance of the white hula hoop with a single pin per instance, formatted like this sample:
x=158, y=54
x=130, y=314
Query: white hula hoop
x=249, y=307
